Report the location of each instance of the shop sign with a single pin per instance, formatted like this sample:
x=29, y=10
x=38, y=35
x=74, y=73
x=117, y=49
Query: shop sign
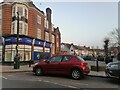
x=38, y=42
x=47, y=44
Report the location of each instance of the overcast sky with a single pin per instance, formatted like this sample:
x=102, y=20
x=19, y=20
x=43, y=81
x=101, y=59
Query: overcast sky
x=83, y=23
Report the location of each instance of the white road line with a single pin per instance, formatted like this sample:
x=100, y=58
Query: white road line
x=60, y=84
x=4, y=78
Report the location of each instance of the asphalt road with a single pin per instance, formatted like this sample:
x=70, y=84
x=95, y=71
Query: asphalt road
x=29, y=80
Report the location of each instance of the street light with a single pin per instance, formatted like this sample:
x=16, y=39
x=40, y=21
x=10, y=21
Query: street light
x=17, y=33
x=17, y=58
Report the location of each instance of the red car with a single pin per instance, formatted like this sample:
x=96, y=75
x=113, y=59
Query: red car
x=71, y=65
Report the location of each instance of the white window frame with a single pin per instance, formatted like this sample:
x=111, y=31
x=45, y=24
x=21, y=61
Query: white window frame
x=38, y=19
x=39, y=33
x=46, y=36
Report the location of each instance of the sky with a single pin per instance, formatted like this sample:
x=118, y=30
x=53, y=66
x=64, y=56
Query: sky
x=83, y=23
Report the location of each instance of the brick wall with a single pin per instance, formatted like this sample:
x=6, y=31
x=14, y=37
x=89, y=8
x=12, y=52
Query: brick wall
x=6, y=19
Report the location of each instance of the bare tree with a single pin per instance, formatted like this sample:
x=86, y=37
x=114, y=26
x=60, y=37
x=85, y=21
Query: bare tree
x=115, y=38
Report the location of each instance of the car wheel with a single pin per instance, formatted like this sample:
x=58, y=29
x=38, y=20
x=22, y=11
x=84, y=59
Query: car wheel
x=38, y=71
x=76, y=74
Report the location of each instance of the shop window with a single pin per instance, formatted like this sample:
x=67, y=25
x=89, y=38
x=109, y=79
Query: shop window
x=8, y=55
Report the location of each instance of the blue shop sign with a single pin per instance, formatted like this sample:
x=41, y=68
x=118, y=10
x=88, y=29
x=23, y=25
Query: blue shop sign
x=27, y=40
x=38, y=42
x=23, y=40
x=47, y=44
x=10, y=39
x=0, y=40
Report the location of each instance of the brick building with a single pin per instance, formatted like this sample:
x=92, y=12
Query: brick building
x=37, y=33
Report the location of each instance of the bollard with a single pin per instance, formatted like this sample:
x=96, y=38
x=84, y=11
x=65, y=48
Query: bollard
x=97, y=66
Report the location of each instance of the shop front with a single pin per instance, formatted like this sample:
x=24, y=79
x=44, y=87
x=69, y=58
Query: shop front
x=28, y=48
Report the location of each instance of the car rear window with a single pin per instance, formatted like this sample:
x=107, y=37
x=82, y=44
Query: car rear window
x=79, y=58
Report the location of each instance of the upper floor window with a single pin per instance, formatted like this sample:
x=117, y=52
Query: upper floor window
x=25, y=29
x=38, y=19
x=20, y=10
x=46, y=36
x=46, y=23
x=52, y=27
x=20, y=28
x=0, y=14
x=39, y=33
x=13, y=28
x=25, y=12
x=53, y=39
x=13, y=11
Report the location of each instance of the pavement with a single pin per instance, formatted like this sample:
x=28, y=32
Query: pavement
x=26, y=68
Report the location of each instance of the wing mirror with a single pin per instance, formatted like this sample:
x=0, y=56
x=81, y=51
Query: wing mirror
x=47, y=61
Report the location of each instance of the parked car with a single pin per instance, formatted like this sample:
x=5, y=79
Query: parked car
x=113, y=69
x=71, y=65
x=89, y=58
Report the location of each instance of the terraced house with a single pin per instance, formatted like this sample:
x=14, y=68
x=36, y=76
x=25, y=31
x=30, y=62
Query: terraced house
x=37, y=33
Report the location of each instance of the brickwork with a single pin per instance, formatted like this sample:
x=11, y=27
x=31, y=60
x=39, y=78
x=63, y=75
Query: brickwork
x=6, y=19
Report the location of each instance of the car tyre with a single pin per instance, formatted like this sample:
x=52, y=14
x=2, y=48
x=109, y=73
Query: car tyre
x=38, y=71
x=76, y=74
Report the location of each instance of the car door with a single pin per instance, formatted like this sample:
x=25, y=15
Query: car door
x=52, y=66
x=66, y=64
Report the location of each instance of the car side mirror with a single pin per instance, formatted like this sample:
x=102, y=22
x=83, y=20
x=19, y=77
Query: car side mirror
x=47, y=61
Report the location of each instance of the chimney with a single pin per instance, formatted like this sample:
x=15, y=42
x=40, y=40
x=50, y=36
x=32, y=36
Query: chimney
x=49, y=12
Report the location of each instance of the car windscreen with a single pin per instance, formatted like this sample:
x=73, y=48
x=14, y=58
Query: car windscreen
x=81, y=59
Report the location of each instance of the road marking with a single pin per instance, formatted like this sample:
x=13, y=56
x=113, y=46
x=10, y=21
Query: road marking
x=3, y=77
x=59, y=84
x=81, y=83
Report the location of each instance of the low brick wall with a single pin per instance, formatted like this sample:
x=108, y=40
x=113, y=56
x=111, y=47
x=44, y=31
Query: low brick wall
x=100, y=68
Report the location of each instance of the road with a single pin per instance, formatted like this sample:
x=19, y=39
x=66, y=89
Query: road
x=29, y=80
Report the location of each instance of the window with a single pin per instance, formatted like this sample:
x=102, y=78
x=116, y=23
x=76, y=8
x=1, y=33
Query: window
x=66, y=58
x=56, y=59
x=0, y=14
x=20, y=28
x=79, y=58
x=13, y=28
x=13, y=11
x=39, y=33
x=38, y=19
x=53, y=39
x=25, y=13
x=25, y=29
x=46, y=36
x=52, y=27
x=20, y=10
x=46, y=23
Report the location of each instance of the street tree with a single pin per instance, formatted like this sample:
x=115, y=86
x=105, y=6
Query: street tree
x=115, y=38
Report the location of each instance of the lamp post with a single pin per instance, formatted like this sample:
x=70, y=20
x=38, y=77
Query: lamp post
x=17, y=58
x=17, y=33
